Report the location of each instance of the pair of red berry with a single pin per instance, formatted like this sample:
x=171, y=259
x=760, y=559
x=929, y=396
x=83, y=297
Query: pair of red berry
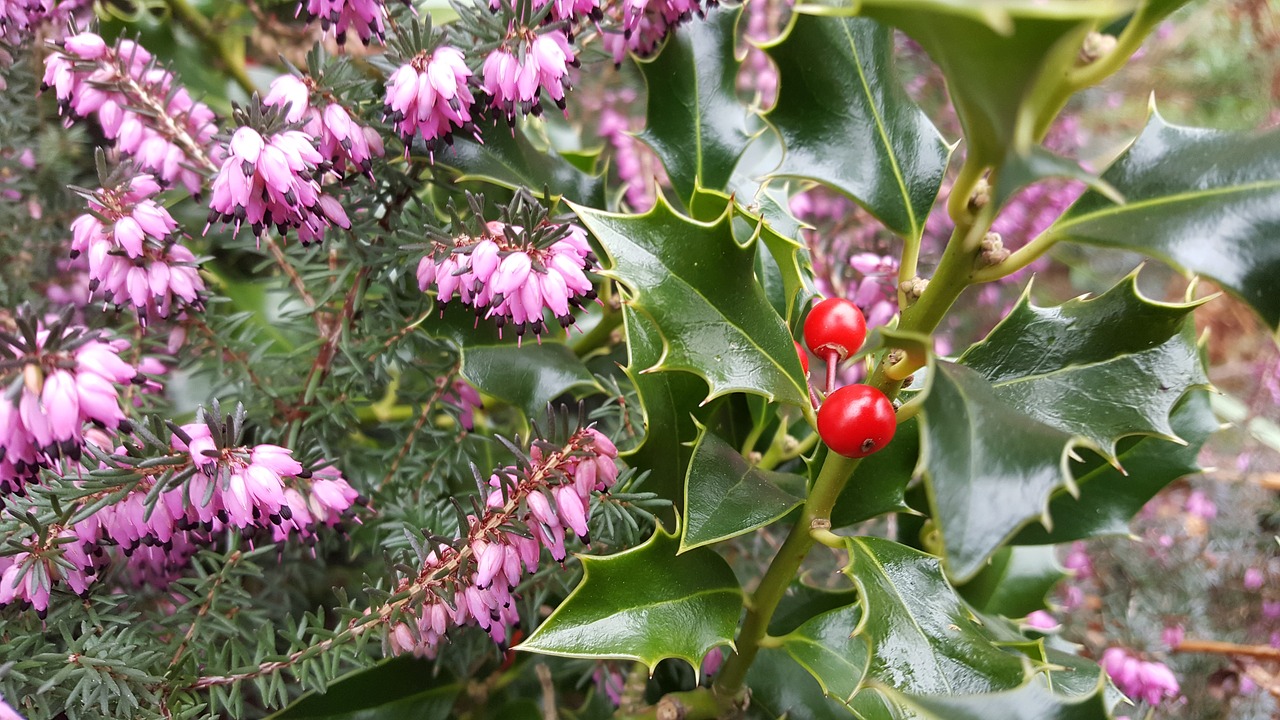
x=855, y=420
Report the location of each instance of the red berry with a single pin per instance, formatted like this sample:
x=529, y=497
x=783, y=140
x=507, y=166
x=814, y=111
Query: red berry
x=835, y=325
x=856, y=420
x=804, y=359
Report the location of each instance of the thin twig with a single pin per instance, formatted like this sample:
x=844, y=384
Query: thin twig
x=442, y=385
x=294, y=278
x=1216, y=647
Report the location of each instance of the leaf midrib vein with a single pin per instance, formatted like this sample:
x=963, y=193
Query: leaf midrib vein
x=1116, y=210
x=880, y=130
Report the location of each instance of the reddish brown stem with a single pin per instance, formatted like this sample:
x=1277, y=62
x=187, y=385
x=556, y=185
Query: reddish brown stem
x=833, y=360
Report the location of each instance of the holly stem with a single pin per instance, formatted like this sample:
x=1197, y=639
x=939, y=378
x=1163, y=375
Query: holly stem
x=835, y=473
x=833, y=359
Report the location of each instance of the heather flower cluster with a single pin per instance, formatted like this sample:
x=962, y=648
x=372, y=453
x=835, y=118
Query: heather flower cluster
x=137, y=104
x=429, y=96
x=60, y=378
x=517, y=72
x=175, y=509
x=641, y=25
x=638, y=168
x=341, y=140
x=512, y=275
x=340, y=17
x=272, y=178
x=132, y=249
x=528, y=509
x=1151, y=682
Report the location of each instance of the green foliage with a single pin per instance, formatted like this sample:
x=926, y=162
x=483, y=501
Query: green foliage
x=1059, y=425
x=1202, y=200
x=845, y=121
x=726, y=496
x=1037, y=377
x=646, y=604
x=695, y=122
x=702, y=297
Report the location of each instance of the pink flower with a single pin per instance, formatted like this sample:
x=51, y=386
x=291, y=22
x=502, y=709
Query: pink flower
x=273, y=180
x=170, y=137
x=340, y=139
x=429, y=97
x=503, y=544
x=518, y=289
x=1253, y=579
x=366, y=17
x=7, y=712
x=1199, y=505
x=516, y=76
x=134, y=257
x=64, y=377
x=1041, y=620
x=1151, y=682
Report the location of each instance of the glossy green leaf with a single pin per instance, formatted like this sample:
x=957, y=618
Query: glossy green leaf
x=879, y=483
x=725, y=496
x=1016, y=582
x=527, y=376
x=1032, y=701
x=645, y=604
x=508, y=158
x=790, y=256
x=782, y=688
x=829, y=648
x=1083, y=374
x=846, y=122
x=989, y=468
x=698, y=286
x=1021, y=169
x=1207, y=202
x=1099, y=368
x=1108, y=499
x=802, y=602
x=668, y=401
x=696, y=124
x=1002, y=59
x=923, y=636
x=401, y=688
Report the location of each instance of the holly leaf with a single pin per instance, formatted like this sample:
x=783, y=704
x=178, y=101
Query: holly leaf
x=1204, y=201
x=1032, y=701
x=1028, y=46
x=1108, y=498
x=508, y=158
x=725, y=496
x=782, y=688
x=698, y=286
x=396, y=689
x=802, y=602
x=696, y=124
x=846, y=122
x=669, y=401
x=527, y=375
x=790, y=256
x=645, y=604
x=830, y=649
x=1051, y=363
x=981, y=487
x=1083, y=374
x=924, y=638
x=1016, y=582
